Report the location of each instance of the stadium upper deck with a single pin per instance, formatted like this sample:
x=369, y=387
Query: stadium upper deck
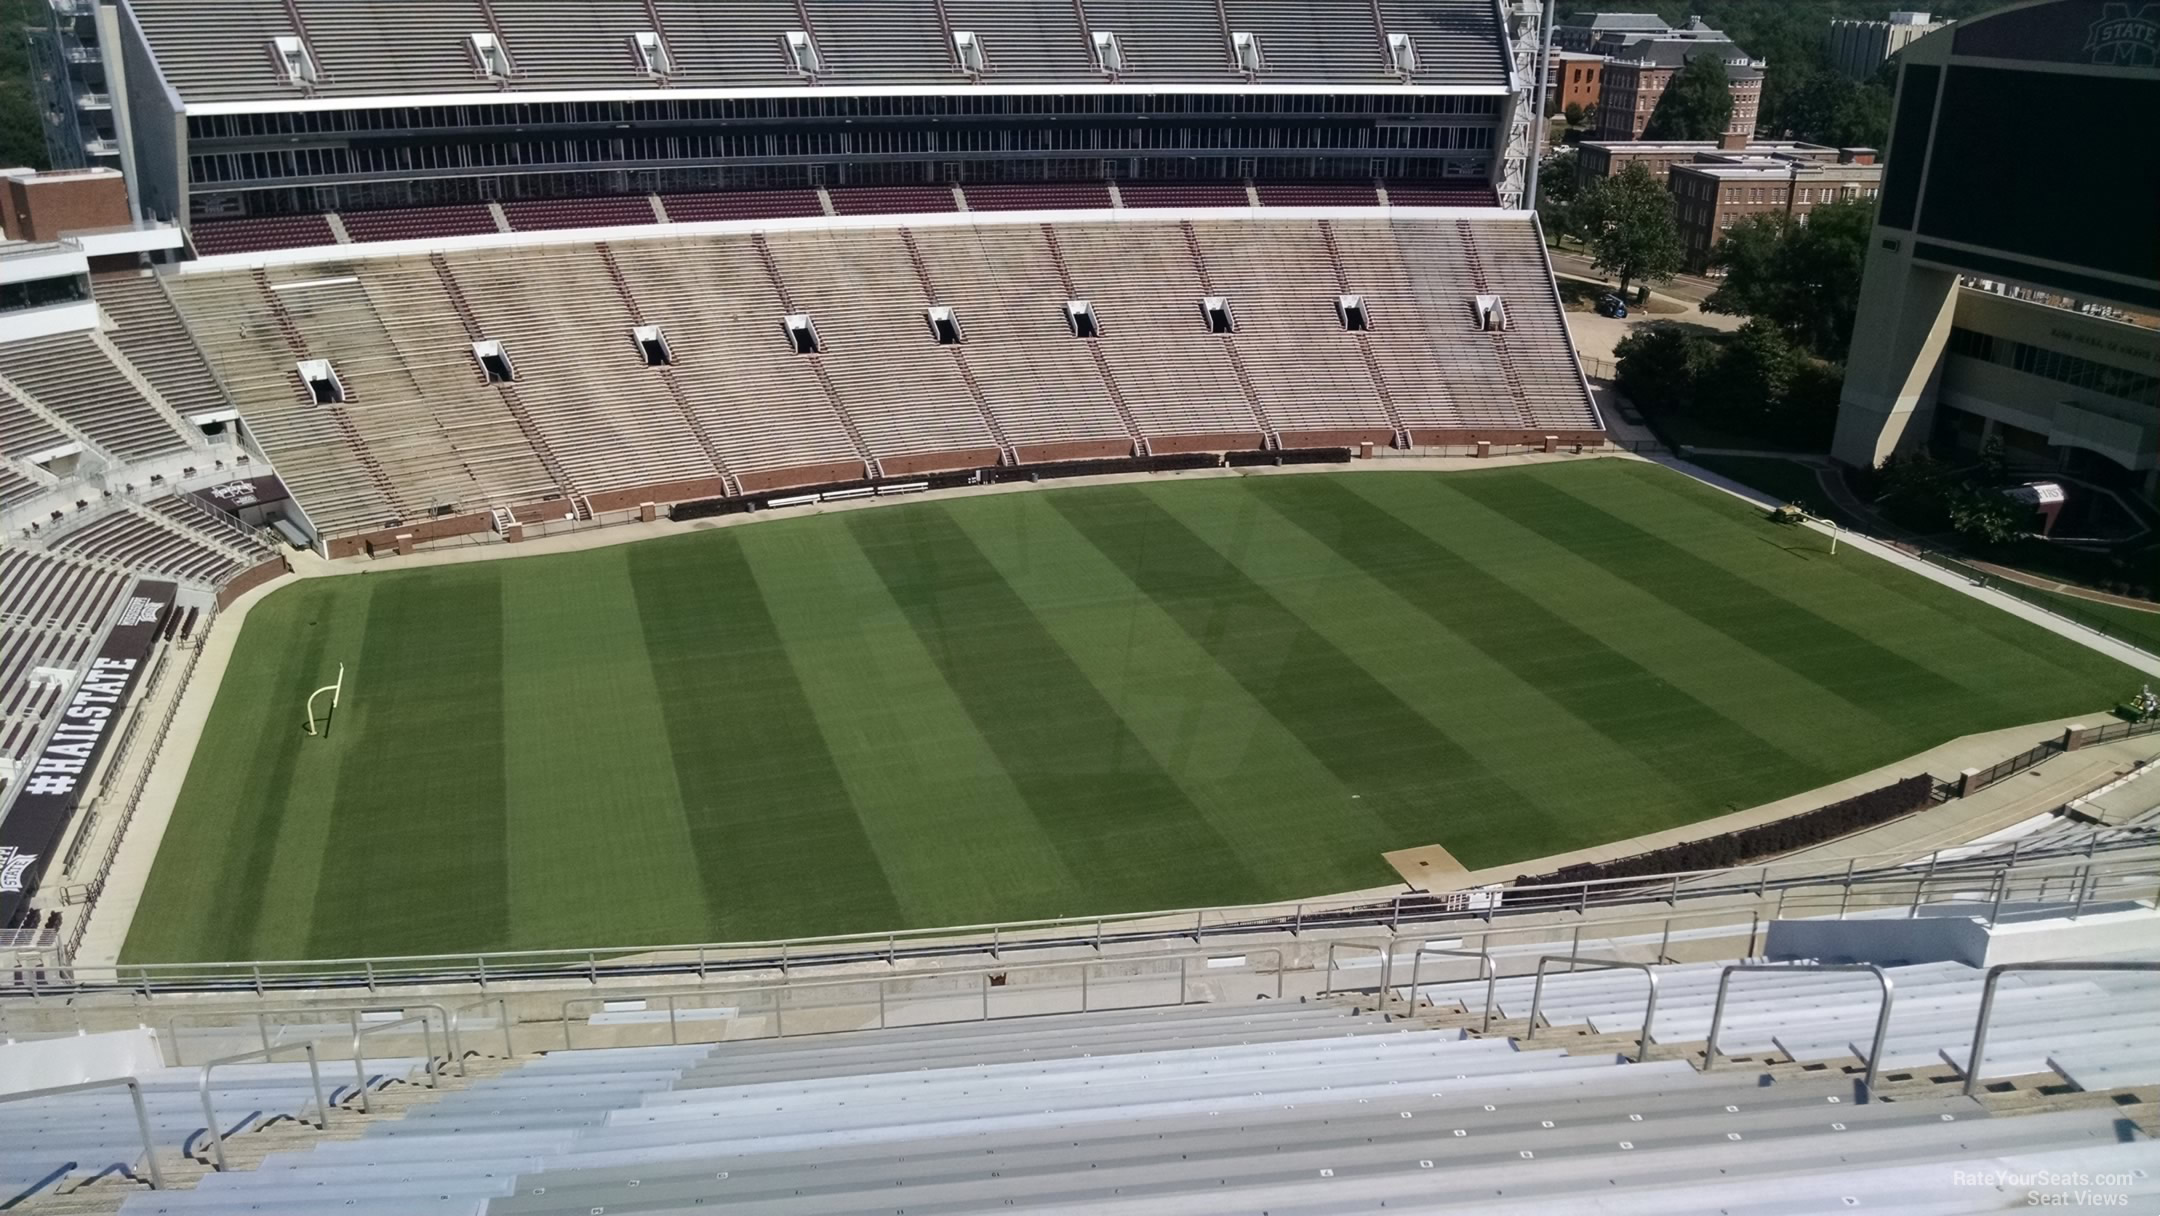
x=228, y=52
x=243, y=108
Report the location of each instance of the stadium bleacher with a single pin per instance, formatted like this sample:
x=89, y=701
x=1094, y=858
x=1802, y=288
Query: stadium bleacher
x=880, y=389
x=1201, y=1109
x=212, y=237
x=54, y=607
x=170, y=537
x=77, y=378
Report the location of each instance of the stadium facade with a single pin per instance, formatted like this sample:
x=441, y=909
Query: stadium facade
x=2066, y=379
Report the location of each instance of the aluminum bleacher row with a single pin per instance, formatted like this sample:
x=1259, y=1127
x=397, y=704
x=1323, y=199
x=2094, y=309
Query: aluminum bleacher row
x=2100, y=1029
x=736, y=409
x=405, y=47
x=1273, y=1106
x=79, y=1136
x=53, y=609
x=253, y=234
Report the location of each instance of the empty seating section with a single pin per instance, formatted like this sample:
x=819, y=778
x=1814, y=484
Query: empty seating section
x=1027, y=39
x=154, y=338
x=17, y=488
x=592, y=47
x=1164, y=42
x=419, y=413
x=406, y=48
x=899, y=44
x=1145, y=292
x=1456, y=40
x=692, y=208
x=1043, y=196
x=892, y=200
x=1322, y=195
x=1042, y=384
x=414, y=392
x=1443, y=373
x=1540, y=351
x=196, y=43
x=82, y=1135
x=744, y=49
x=418, y=223
x=1426, y=194
x=901, y=389
x=233, y=320
x=22, y=432
x=722, y=320
x=1306, y=368
x=132, y=537
x=541, y=215
x=609, y=418
x=74, y=376
x=1304, y=42
x=1199, y=1111
x=1180, y=194
x=52, y=610
x=218, y=50
x=212, y=237
x=215, y=525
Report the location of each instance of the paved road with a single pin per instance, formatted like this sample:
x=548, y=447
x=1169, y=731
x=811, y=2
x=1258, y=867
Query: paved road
x=1685, y=287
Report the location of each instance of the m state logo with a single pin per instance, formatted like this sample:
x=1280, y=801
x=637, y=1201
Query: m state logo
x=2122, y=38
x=14, y=863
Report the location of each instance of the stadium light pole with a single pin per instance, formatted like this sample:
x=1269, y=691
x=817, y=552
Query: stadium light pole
x=1537, y=128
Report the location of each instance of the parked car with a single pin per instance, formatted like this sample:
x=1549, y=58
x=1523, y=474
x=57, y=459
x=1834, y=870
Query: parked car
x=1611, y=305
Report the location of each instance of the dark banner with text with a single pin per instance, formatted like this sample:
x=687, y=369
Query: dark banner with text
x=54, y=778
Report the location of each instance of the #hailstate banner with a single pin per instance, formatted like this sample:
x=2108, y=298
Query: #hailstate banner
x=54, y=779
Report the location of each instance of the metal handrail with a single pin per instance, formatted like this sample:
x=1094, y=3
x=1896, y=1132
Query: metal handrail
x=1183, y=960
x=1882, y=1017
x=217, y=1136
x=427, y=1045
x=142, y=1114
x=1486, y=971
x=352, y=1014
x=1537, y=992
x=502, y=1009
x=1987, y=1003
x=1409, y=906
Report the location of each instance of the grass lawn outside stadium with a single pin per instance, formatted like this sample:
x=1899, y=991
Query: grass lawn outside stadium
x=1093, y=699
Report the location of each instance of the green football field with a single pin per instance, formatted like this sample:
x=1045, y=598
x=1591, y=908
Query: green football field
x=1055, y=702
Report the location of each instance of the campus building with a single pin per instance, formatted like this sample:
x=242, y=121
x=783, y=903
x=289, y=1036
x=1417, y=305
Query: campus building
x=1573, y=79
x=1597, y=158
x=1714, y=193
x=1858, y=49
x=2066, y=388
x=1637, y=72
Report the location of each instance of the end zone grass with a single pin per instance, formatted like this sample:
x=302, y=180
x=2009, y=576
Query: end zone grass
x=1063, y=702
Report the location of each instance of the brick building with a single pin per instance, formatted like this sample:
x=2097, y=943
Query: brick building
x=1712, y=195
x=1604, y=158
x=1638, y=71
x=1573, y=79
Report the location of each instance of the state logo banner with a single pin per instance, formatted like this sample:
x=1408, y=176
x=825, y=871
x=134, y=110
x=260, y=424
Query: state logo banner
x=54, y=778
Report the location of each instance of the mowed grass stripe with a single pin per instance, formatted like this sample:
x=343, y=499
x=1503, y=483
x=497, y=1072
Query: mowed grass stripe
x=2008, y=670
x=1290, y=821
x=421, y=807
x=587, y=763
x=1410, y=774
x=774, y=831
x=1636, y=708
x=209, y=894
x=1116, y=817
x=1474, y=700
x=920, y=775
x=1838, y=659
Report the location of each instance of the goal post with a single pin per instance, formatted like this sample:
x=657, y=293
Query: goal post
x=335, y=690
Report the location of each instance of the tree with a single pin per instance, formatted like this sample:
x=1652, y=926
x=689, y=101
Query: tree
x=1628, y=220
x=1558, y=195
x=1985, y=515
x=1657, y=366
x=1575, y=113
x=1696, y=104
x=1752, y=376
x=1803, y=277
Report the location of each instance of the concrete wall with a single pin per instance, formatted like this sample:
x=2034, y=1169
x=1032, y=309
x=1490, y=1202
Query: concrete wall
x=1963, y=937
